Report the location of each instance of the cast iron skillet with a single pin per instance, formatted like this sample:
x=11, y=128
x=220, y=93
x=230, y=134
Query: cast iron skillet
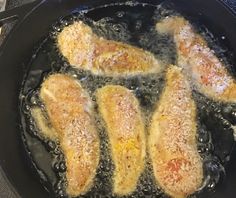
x=34, y=21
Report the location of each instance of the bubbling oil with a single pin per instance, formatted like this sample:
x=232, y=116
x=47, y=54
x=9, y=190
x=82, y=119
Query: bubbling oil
x=132, y=24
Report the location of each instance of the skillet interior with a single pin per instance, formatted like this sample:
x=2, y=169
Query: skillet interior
x=15, y=55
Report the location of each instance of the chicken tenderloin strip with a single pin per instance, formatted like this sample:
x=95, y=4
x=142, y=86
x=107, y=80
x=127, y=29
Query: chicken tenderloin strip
x=120, y=110
x=85, y=50
x=70, y=112
x=177, y=165
x=207, y=73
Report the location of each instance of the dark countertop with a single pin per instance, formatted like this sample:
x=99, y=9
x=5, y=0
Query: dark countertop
x=5, y=191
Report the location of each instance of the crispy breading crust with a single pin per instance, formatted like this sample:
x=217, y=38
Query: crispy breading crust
x=70, y=112
x=172, y=143
x=120, y=110
x=85, y=50
x=207, y=73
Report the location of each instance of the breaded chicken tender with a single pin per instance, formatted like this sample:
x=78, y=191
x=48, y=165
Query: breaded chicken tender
x=172, y=145
x=124, y=124
x=70, y=113
x=207, y=73
x=85, y=50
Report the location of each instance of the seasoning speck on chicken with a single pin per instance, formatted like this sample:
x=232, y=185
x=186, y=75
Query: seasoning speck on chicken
x=85, y=50
x=120, y=110
x=207, y=73
x=172, y=143
x=70, y=112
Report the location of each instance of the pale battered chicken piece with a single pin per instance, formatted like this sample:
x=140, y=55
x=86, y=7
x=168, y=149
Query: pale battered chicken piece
x=70, y=112
x=120, y=110
x=172, y=145
x=85, y=50
x=205, y=70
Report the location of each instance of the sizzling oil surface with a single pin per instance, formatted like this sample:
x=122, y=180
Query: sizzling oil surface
x=133, y=24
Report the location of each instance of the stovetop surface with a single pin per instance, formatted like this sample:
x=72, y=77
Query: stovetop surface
x=5, y=190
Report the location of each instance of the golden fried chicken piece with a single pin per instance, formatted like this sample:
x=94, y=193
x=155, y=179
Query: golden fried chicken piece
x=70, y=112
x=85, y=50
x=172, y=143
x=120, y=110
x=205, y=70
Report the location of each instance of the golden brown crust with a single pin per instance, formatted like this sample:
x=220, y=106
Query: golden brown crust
x=85, y=50
x=205, y=70
x=120, y=110
x=70, y=111
x=172, y=143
